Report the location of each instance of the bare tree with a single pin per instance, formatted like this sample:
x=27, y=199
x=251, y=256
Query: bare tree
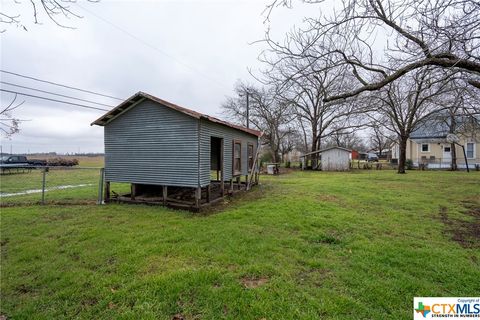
x=441, y=34
x=380, y=139
x=9, y=125
x=54, y=10
x=402, y=105
x=305, y=84
x=267, y=114
x=345, y=138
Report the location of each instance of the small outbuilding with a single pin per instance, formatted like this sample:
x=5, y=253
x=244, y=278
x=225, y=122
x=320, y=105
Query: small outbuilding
x=174, y=155
x=330, y=159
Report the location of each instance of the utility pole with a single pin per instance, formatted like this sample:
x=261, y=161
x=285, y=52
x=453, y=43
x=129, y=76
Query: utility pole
x=248, y=111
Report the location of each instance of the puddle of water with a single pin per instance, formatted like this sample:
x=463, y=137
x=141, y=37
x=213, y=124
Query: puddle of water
x=4, y=195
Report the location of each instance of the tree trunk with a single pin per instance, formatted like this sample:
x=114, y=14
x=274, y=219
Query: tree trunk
x=402, y=156
x=453, y=152
x=274, y=156
x=314, y=156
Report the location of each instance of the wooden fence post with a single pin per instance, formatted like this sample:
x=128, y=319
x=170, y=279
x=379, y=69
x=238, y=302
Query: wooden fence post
x=100, y=186
x=107, y=191
x=44, y=173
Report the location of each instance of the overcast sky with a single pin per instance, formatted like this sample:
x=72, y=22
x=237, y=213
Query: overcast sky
x=188, y=52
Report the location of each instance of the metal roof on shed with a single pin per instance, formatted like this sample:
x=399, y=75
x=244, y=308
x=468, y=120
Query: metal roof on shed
x=141, y=96
x=326, y=149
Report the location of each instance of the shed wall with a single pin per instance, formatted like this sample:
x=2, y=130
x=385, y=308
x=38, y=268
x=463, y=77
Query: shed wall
x=152, y=144
x=209, y=129
x=335, y=160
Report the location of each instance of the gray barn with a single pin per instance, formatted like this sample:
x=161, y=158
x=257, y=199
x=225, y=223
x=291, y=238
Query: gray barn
x=152, y=142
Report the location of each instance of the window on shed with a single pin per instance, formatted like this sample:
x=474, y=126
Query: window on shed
x=237, y=158
x=470, y=150
x=250, y=156
x=425, y=147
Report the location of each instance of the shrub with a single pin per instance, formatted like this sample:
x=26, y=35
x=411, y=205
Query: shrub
x=409, y=164
x=62, y=162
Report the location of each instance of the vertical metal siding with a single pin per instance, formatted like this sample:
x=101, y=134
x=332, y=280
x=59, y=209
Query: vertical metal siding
x=152, y=144
x=208, y=130
x=335, y=160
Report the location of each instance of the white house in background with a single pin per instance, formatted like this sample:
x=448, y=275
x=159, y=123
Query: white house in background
x=428, y=144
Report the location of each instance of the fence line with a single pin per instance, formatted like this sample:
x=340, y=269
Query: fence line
x=41, y=185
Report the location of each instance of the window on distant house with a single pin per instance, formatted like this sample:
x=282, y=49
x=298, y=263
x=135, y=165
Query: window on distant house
x=250, y=156
x=470, y=149
x=425, y=147
x=237, y=158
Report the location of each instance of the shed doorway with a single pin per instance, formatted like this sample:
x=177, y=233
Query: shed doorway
x=216, y=159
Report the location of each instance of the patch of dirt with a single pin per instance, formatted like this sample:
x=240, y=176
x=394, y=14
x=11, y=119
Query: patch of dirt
x=252, y=283
x=256, y=193
x=465, y=232
x=178, y=316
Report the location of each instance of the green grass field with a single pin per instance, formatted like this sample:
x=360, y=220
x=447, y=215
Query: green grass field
x=304, y=245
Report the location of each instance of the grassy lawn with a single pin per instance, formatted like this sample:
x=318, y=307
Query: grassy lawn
x=304, y=245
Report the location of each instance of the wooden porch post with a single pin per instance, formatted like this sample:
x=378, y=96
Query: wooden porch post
x=133, y=191
x=165, y=195
x=231, y=185
x=246, y=181
x=198, y=197
x=222, y=171
x=208, y=193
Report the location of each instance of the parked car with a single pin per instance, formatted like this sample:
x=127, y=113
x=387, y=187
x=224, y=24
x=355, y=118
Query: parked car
x=20, y=161
x=372, y=157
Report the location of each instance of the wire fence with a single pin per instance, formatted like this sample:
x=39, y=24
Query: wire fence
x=46, y=185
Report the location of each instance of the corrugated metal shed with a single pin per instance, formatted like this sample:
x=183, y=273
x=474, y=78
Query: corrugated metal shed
x=152, y=141
x=335, y=159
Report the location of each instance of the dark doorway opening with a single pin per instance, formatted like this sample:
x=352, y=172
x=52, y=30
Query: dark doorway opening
x=216, y=159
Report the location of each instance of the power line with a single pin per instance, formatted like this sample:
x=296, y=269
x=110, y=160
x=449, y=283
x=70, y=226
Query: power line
x=54, y=100
x=154, y=47
x=59, y=84
x=55, y=94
